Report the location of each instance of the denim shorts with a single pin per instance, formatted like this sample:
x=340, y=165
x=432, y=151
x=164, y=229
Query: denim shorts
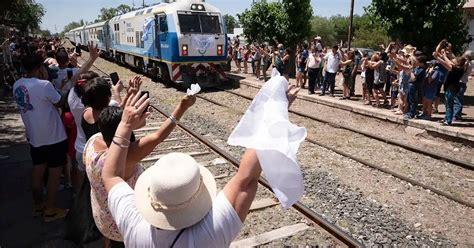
x=430, y=90
x=394, y=93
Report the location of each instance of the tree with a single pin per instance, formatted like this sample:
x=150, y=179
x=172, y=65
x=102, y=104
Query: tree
x=263, y=21
x=422, y=23
x=230, y=23
x=289, y=21
x=109, y=13
x=298, y=14
x=23, y=14
x=73, y=25
x=369, y=34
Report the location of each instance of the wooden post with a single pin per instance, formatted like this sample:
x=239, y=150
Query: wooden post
x=350, y=25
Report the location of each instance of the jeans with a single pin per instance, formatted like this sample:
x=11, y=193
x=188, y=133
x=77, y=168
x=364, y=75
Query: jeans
x=459, y=101
x=449, y=96
x=329, y=82
x=313, y=78
x=411, y=98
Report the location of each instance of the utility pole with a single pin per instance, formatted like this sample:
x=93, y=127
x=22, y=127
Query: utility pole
x=350, y=25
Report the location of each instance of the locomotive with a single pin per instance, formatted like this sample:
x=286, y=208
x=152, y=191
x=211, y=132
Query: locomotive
x=182, y=41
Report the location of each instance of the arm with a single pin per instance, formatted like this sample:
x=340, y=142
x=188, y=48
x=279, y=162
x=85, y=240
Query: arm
x=113, y=171
x=143, y=147
x=443, y=60
x=94, y=54
x=346, y=62
x=399, y=63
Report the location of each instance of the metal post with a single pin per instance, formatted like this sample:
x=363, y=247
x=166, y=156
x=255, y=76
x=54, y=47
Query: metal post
x=350, y=25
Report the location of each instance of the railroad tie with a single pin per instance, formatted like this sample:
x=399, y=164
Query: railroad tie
x=270, y=236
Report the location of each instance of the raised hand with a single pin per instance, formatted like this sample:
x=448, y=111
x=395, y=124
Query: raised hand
x=134, y=115
x=94, y=52
x=187, y=101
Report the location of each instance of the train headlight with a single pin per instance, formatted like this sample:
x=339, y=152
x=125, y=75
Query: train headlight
x=184, y=50
x=220, y=50
x=198, y=7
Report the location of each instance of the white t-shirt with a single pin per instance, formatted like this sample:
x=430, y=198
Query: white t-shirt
x=77, y=109
x=62, y=74
x=312, y=62
x=333, y=61
x=218, y=229
x=35, y=99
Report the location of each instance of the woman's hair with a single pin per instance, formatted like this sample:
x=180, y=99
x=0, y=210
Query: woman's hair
x=79, y=87
x=97, y=93
x=350, y=54
x=109, y=120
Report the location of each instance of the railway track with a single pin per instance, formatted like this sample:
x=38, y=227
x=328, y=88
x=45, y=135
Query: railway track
x=465, y=164
x=351, y=156
x=288, y=217
x=184, y=139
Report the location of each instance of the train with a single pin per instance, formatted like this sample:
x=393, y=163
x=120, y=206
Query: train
x=181, y=41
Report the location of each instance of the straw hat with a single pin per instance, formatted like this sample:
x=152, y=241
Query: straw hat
x=317, y=37
x=175, y=193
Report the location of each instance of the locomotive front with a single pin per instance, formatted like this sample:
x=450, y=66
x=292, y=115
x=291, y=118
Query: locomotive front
x=201, y=45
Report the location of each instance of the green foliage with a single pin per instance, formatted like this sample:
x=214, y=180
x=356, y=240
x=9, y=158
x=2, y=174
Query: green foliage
x=230, y=23
x=422, y=23
x=109, y=13
x=73, y=25
x=334, y=30
x=263, y=21
x=22, y=14
x=288, y=21
x=299, y=13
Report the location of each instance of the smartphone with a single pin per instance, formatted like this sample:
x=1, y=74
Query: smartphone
x=69, y=74
x=78, y=50
x=147, y=93
x=114, y=77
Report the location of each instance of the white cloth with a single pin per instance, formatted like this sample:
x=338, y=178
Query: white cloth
x=218, y=229
x=333, y=62
x=77, y=109
x=62, y=74
x=35, y=99
x=265, y=127
x=193, y=89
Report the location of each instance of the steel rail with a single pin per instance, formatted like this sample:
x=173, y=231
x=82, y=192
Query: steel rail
x=300, y=207
x=464, y=164
x=372, y=165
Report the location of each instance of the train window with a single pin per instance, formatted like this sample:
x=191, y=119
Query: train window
x=149, y=10
x=210, y=24
x=163, y=24
x=189, y=23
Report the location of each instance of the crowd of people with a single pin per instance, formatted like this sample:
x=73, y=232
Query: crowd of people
x=80, y=129
x=399, y=77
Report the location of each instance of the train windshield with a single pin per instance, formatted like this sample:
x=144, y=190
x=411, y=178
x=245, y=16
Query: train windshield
x=189, y=24
x=195, y=23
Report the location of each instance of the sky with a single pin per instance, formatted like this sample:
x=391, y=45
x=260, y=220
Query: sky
x=61, y=12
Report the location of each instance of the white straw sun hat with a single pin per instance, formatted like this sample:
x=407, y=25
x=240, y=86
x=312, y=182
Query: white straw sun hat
x=175, y=193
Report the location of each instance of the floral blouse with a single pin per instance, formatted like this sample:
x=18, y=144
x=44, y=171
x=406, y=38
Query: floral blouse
x=94, y=161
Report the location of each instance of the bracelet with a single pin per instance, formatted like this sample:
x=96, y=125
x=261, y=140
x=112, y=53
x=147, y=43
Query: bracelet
x=173, y=119
x=123, y=138
x=120, y=145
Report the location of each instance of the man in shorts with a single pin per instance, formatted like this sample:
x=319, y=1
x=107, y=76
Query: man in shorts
x=37, y=100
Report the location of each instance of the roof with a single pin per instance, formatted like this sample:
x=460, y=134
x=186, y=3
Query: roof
x=469, y=4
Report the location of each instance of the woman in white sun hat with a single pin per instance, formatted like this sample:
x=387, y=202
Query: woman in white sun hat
x=175, y=202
